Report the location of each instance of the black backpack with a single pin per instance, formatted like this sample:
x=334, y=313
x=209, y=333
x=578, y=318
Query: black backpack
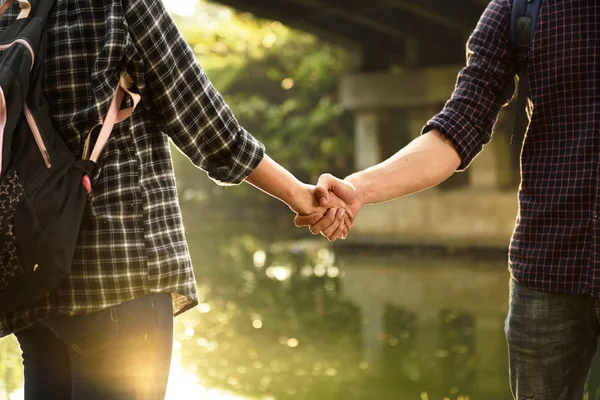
x=43, y=188
x=522, y=29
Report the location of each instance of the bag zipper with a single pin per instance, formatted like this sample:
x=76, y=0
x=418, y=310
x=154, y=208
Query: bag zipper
x=37, y=136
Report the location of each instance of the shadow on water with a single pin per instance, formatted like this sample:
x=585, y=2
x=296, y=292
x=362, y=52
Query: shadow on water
x=283, y=318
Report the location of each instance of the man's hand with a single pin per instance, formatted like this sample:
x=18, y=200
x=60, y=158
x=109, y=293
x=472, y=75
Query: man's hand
x=330, y=189
x=272, y=178
x=336, y=212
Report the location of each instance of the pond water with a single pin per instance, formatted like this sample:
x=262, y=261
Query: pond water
x=290, y=317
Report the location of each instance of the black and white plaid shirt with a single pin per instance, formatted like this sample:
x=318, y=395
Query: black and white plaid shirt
x=132, y=242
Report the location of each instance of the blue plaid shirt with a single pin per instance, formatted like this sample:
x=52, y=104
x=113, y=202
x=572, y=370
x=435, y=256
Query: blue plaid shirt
x=556, y=243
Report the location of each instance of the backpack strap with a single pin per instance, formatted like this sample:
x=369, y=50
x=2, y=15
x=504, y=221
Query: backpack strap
x=523, y=23
x=5, y=6
x=25, y=8
x=114, y=116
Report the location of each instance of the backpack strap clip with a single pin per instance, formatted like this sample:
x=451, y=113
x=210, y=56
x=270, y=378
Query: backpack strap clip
x=114, y=116
x=25, y=8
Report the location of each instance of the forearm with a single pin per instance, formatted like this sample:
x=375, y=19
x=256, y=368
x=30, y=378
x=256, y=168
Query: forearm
x=425, y=162
x=273, y=179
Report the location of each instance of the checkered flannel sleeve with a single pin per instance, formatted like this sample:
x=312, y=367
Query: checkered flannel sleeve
x=484, y=85
x=187, y=106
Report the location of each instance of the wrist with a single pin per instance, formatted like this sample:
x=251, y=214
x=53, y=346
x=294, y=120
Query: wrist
x=358, y=183
x=298, y=195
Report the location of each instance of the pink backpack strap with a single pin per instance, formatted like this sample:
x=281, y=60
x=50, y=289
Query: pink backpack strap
x=114, y=116
x=25, y=8
x=5, y=6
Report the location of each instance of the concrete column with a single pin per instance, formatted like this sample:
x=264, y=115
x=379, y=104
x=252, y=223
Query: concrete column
x=380, y=100
x=495, y=167
x=374, y=136
x=485, y=171
x=417, y=117
x=377, y=97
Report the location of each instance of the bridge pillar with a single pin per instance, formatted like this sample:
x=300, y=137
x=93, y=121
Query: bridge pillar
x=373, y=136
x=497, y=166
x=379, y=98
x=470, y=209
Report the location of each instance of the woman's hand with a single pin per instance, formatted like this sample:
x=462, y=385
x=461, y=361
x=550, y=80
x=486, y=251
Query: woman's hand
x=339, y=215
x=278, y=182
x=330, y=188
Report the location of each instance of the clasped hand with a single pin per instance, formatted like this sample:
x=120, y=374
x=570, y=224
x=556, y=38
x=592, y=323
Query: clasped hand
x=335, y=205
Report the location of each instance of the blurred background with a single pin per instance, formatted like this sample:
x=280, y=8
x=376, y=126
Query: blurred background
x=412, y=305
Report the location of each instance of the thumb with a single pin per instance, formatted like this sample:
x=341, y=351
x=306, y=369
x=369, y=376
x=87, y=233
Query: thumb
x=325, y=184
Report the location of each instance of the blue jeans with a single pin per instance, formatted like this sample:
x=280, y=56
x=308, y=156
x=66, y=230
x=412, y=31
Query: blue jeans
x=551, y=343
x=122, y=352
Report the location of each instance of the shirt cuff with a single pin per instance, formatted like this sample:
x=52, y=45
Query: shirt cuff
x=243, y=159
x=463, y=135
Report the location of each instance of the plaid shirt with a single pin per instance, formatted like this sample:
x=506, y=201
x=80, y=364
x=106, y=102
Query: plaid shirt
x=132, y=242
x=556, y=243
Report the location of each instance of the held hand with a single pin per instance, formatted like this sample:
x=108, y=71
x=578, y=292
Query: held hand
x=331, y=189
x=338, y=216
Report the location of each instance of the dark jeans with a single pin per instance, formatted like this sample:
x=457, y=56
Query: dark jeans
x=122, y=352
x=551, y=343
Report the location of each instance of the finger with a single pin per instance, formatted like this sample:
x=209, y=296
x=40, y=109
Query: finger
x=346, y=232
x=325, y=183
x=307, y=220
x=335, y=201
x=322, y=195
x=348, y=219
x=327, y=220
x=339, y=220
x=328, y=233
x=338, y=234
x=347, y=228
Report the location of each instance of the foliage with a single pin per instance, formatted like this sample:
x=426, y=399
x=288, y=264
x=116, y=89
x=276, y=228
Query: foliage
x=282, y=86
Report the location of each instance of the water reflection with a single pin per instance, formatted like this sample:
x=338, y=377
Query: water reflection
x=432, y=324
x=299, y=322
x=288, y=319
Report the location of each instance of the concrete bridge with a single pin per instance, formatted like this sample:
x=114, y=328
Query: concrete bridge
x=407, y=55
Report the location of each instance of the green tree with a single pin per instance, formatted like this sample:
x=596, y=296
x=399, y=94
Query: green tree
x=282, y=86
